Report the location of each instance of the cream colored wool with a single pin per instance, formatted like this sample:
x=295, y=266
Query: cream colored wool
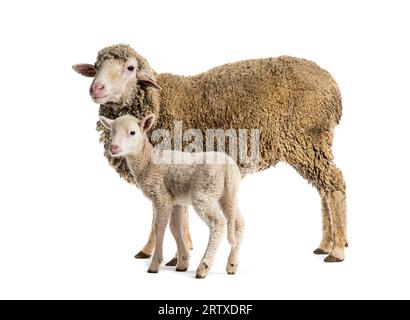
x=210, y=186
x=293, y=102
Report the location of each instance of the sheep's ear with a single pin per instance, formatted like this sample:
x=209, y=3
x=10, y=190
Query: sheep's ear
x=107, y=123
x=147, y=122
x=146, y=77
x=87, y=70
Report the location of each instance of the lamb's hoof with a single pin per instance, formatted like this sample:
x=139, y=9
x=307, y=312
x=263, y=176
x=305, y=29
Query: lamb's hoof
x=142, y=255
x=182, y=269
x=231, y=268
x=172, y=263
x=331, y=258
x=202, y=270
x=319, y=251
x=152, y=271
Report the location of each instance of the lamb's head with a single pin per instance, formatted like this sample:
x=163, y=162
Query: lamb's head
x=127, y=133
x=116, y=73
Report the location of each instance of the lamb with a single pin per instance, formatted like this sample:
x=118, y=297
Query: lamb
x=294, y=103
x=207, y=180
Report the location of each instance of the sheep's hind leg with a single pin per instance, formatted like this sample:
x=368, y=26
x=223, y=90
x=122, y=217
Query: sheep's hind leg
x=187, y=235
x=338, y=213
x=326, y=244
x=176, y=226
x=328, y=179
x=208, y=210
x=331, y=180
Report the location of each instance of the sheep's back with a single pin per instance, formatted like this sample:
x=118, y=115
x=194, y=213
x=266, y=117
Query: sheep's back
x=282, y=97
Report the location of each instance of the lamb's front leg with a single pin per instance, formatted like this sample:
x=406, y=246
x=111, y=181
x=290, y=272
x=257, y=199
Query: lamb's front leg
x=146, y=252
x=177, y=230
x=161, y=221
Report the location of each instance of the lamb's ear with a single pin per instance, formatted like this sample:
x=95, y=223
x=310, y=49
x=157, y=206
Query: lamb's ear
x=87, y=70
x=147, y=77
x=147, y=122
x=107, y=123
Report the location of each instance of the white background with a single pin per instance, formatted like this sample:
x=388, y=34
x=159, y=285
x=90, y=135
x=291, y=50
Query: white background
x=69, y=226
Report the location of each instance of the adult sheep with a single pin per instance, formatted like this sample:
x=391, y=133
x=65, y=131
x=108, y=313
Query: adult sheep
x=293, y=102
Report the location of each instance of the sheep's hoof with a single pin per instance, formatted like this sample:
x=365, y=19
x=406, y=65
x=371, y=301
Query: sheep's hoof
x=152, y=271
x=198, y=276
x=142, y=255
x=182, y=269
x=172, y=263
x=331, y=258
x=320, y=251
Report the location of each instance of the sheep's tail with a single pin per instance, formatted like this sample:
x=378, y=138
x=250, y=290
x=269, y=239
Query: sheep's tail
x=337, y=103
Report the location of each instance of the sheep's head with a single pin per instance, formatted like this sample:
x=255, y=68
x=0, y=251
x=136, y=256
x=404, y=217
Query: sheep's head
x=127, y=133
x=117, y=72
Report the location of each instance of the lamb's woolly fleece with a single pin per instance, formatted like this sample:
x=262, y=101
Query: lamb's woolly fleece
x=293, y=102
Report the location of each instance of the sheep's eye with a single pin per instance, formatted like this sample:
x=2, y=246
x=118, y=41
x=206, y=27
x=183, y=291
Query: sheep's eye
x=132, y=133
x=131, y=68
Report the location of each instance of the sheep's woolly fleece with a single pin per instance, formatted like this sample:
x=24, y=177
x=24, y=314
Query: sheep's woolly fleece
x=293, y=102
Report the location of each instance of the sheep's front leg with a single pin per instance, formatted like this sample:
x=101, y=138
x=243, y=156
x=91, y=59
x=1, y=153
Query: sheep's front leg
x=177, y=230
x=161, y=222
x=187, y=234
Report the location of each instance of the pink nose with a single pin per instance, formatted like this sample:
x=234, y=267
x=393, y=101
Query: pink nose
x=114, y=149
x=97, y=89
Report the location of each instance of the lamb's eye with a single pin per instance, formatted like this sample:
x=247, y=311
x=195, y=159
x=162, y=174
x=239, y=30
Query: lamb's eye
x=132, y=133
x=131, y=68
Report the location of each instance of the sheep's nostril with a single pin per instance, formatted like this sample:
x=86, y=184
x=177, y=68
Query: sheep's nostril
x=97, y=88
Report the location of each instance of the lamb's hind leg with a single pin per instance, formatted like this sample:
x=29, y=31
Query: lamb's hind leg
x=176, y=226
x=231, y=212
x=208, y=210
x=233, y=259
